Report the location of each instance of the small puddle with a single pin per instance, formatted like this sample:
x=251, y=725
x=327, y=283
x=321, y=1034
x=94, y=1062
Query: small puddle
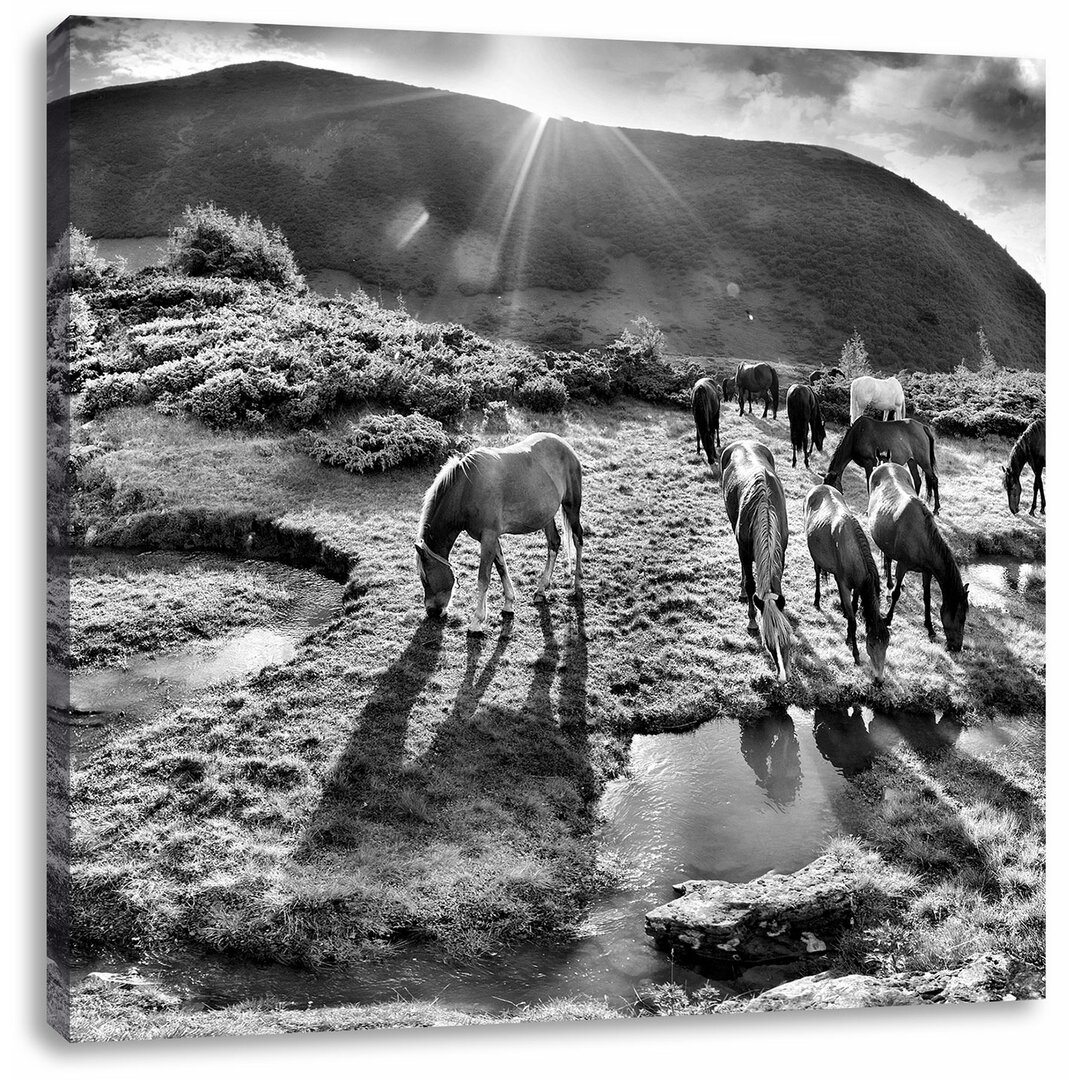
x=89, y=700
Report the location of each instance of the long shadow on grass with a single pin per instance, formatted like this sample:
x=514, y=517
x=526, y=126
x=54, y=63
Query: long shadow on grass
x=377, y=742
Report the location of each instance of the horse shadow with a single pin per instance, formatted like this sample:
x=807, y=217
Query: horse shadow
x=377, y=742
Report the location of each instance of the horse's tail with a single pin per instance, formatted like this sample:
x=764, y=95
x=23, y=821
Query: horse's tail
x=775, y=633
x=775, y=390
x=571, y=509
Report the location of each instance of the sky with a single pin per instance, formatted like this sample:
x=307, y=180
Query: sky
x=969, y=129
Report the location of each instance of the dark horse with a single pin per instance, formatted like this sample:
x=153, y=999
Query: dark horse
x=488, y=492
x=838, y=546
x=907, y=442
x=1029, y=449
x=728, y=387
x=804, y=420
x=905, y=530
x=705, y=401
x=824, y=373
x=751, y=379
x=757, y=509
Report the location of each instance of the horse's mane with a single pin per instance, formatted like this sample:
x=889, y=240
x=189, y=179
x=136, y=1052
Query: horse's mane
x=768, y=556
x=1020, y=454
x=843, y=447
x=952, y=584
x=870, y=590
x=446, y=479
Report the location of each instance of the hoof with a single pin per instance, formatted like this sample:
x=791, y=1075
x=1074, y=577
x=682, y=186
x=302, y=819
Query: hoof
x=751, y=628
x=475, y=628
x=539, y=597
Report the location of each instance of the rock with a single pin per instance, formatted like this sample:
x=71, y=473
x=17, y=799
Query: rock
x=776, y=917
x=764, y=977
x=826, y=991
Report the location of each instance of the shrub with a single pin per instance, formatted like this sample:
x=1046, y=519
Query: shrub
x=583, y=374
x=75, y=264
x=210, y=242
x=380, y=442
x=544, y=393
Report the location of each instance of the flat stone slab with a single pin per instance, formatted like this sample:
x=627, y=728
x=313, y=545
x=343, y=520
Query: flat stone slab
x=774, y=918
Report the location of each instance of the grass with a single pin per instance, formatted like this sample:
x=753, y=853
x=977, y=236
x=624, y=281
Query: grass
x=400, y=777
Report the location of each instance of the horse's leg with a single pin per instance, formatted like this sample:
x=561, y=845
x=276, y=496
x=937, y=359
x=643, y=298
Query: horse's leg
x=489, y=541
x=915, y=478
x=504, y=576
x=1035, y=490
x=931, y=479
x=869, y=470
x=575, y=538
x=927, y=577
x=765, y=411
x=740, y=401
x=901, y=570
x=552, y=535
x=1042, y=491
x=817, y=586
x=849, y=612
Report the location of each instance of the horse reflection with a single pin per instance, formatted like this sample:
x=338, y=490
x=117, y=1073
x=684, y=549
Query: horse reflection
x=843, y=740
x=771, y=749
x=920, y=729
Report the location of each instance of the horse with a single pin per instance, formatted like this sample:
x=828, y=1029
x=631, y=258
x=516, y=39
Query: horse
x=751, y=379
x=757, y=509
x=825, y=373
x=884, y=394
x=838, y=546
x=804, y=420
x=705, y=401
x=1029, y=449
x=906, y=442
x=905, y=530
x=728, y=387
x=488, y=492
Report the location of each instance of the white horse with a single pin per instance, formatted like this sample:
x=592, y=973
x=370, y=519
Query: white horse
x=884, y=394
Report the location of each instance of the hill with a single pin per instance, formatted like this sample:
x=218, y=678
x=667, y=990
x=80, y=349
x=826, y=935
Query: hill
x=548, y=230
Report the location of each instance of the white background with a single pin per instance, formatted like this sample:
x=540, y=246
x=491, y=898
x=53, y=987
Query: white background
x=1028, y=1039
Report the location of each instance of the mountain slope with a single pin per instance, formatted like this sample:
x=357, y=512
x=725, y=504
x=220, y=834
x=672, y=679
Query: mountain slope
x=552, y=230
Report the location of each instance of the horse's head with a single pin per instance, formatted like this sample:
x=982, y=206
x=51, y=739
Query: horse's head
x=833, y=480
x=877, y=641
x=952, y=622
x=1011, y=483
x=818, y=432
x=437, y=577
x=775, y=632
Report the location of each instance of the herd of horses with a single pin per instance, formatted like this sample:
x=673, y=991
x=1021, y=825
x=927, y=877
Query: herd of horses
x=521, y=488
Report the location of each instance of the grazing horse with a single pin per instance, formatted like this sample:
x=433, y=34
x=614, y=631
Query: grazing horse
x=757, y=510
x=825, y=373
x=515, y=489
x=905, y=442
x=905, y=530
x=887, y=395
x=728, y=387
x=751, y=379
x=804, y=420
x=1029, y=449
x=705, y=401
x=838, y=546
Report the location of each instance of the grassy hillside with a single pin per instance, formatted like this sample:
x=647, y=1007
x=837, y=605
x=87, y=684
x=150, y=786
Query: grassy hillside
x=552, y=230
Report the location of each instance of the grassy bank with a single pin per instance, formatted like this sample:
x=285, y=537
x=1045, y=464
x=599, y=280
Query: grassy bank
x=398, y=776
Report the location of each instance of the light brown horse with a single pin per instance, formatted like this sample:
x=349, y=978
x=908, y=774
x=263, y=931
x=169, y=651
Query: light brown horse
x=907, y=442
x=1029, y=449
x=905, y=530
x=705, y=402
x=757, y=509
x=838, y=546
x=515, y=489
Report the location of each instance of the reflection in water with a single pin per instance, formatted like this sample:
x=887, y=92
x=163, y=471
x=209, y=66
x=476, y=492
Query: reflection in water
x=843, y=741
x=771, y=749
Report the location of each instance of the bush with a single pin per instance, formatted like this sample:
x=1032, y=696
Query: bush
x=544, y=393
x=75, y=264
x=380, y=442
x=210, y=242
x=583, y=374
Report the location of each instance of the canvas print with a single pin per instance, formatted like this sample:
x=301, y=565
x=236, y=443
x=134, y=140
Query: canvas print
x=539, y=529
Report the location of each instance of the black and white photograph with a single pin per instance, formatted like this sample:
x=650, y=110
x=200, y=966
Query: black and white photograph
x=541, y=530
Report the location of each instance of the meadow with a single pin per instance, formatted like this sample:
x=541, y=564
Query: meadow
x=399, y=780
